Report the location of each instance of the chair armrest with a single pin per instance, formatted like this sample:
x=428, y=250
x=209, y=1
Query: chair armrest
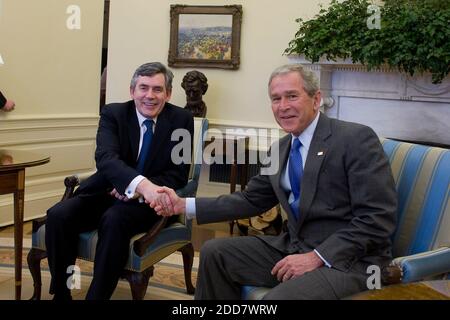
x=37, y=223
x=141, y=244
x=423, y=265
x=189, y=190
x=71, y=182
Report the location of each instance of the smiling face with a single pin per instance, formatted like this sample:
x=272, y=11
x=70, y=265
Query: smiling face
x=150, y=95
x=292, y=107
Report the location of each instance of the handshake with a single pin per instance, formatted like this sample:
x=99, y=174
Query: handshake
x=163, y=200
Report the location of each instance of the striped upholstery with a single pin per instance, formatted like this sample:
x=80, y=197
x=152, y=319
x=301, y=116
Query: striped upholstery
x=422, y=177
x=422, y=238
x=170, y=239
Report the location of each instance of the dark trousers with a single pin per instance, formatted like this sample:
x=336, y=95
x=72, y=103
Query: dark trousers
x=228, y=264
x=117, y=222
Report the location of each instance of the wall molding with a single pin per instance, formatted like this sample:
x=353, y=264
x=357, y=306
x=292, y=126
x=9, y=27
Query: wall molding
x=242, y=124
x=69, y=140
x=52, y=120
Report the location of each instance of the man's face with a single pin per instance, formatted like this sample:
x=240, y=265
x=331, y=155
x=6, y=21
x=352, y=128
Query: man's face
x=150, y=95
x=293, y=109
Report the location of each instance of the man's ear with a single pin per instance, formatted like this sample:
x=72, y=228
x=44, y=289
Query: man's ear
x=317, y=100
x=131, y=92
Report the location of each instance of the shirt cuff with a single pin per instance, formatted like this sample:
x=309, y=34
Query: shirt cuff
x=131, y=189
x=321, y=258
x=190, y=208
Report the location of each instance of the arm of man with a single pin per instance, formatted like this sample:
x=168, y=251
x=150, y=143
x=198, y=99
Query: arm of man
x=257, y=198
x=5, y=104
x=109, y=160
x=2, y=100
x=373, y=202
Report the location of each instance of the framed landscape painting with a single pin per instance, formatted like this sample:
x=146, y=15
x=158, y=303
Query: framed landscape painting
x=205, y=36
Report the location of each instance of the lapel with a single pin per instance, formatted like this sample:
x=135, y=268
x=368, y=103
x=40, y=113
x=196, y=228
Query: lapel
x=134, y=131
x=316, y=155
x=284, y=148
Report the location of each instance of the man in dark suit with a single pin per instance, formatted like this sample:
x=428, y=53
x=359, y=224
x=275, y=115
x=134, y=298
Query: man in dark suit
x=335, y=184
x=5, y=104
x=133, y=157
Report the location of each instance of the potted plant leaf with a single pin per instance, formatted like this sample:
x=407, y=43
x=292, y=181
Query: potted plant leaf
x=413, y=36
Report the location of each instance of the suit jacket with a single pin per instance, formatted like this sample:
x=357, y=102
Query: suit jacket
x=118, y=145
x=2, y=100
x=348, y=200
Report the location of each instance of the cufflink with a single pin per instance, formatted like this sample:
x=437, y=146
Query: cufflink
x=131, y=195
x=320, y=153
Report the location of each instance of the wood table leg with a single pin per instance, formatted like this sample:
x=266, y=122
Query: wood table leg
x=18, y=229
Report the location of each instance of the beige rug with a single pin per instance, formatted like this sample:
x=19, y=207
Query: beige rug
x=166, y=284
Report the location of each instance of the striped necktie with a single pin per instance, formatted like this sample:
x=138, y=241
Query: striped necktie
x=295, y=175
x=146, y=143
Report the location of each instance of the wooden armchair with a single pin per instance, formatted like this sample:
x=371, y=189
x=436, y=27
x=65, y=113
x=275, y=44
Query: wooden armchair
x=146, y=249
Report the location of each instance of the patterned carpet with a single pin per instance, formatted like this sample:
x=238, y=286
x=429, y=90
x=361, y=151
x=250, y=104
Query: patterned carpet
x=166, y=284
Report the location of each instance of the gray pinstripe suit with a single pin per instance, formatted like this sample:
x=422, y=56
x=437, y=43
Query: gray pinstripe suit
x=348, y=209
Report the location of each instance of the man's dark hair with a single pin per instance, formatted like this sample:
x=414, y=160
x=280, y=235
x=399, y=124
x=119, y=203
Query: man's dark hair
x=149, y=70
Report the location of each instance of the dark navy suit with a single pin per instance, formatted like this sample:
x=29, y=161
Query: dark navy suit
x=93, y=207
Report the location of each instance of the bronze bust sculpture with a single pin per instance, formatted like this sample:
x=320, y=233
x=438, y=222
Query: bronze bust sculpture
x=195, y=84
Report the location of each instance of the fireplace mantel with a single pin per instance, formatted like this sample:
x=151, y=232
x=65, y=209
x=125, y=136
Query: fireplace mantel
x=394, y=104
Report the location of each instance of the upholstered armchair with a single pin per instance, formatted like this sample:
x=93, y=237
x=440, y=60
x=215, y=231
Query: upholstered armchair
x=421, y=242
x=146, y=249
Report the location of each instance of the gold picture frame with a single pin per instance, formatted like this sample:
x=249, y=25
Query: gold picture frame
x=205, y=36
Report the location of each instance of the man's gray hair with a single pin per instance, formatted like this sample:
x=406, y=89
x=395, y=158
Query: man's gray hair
x=149, y=70
x=310, y=83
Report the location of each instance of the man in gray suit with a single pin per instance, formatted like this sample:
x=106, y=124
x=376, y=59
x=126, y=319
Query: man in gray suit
x=335, y=183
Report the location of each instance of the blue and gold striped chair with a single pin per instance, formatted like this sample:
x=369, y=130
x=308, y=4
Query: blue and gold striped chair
x=146, y=249
x=421, y=242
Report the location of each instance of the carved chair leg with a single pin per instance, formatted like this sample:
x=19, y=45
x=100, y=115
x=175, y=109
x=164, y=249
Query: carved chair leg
x=139, y=282
x=188, y=259
x=34, y=264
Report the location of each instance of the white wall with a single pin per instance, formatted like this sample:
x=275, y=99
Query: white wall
x=53, y=75
x=140, y=32
x=49, y=69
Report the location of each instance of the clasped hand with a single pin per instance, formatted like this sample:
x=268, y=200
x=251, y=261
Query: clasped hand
x=163, y=200
x=167, y=202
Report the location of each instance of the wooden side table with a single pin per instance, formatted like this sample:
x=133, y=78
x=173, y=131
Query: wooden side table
x=234, y=168
x=235, y=143
x=12, y=180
